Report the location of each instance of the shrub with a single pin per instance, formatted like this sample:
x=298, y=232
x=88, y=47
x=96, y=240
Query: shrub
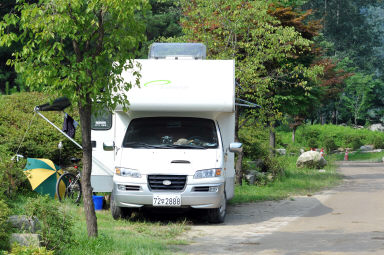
x=29, y=250
x=255, y=141
x=353, y=141
x=329, y=144
x=312, y=143
x=4, y=226
x=342, y=136
x=378, y=143
x=12, y=178
x=56, y=223
x=42, y=139
x=272, y=165
x=310, y=133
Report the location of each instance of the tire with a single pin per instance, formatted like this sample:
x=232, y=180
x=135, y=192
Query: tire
x=117, y=211
x=217, y=215
x=72, y=188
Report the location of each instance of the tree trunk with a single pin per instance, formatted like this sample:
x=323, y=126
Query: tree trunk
x=325, y=16
x=89, y=208
x=293, y=134
x=239, y=161
x=239, y=170
x=272, y=139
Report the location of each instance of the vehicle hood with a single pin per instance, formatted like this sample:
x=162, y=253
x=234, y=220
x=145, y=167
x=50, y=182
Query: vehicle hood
x=168, y=161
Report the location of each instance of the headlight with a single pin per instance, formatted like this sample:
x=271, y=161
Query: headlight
x=127, y=172
x=207, y=173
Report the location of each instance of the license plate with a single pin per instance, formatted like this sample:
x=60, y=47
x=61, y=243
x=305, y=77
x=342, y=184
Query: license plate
x=167, y=200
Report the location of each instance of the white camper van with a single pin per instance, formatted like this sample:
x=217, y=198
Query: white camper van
x=173, y=147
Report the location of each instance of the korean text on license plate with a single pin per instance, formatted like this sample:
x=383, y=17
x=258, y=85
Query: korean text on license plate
x=167, y=200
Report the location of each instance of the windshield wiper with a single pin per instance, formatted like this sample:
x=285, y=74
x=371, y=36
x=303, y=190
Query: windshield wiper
x=139, y=145
x=181, y=146
x=162, y=146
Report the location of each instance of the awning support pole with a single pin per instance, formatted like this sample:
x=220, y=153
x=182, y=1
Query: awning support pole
x=61, y=131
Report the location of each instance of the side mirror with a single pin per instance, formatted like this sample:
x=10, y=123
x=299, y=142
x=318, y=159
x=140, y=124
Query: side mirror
x=236, y=147
x=109, y=145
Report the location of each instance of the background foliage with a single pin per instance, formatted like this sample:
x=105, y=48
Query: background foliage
x=41, y=139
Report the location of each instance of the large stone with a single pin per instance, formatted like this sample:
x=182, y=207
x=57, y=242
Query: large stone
x=250, y=179
x=376, y=127
x=367, y=148
x=311, y=159
x=24, y=223
x=25, y=239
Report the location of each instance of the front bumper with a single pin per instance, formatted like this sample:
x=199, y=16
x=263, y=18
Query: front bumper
x=199, y=196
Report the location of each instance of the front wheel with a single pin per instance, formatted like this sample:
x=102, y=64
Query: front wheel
x=217, y=215
x=117, y=211
x=68, y=187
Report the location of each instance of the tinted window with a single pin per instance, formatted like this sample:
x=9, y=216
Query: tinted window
x=102, y=120
x=171, y=132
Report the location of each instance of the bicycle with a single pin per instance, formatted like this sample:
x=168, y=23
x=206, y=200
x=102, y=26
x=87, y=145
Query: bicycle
x=68, y=186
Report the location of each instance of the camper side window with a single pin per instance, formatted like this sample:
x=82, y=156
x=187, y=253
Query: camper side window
x=101, y=120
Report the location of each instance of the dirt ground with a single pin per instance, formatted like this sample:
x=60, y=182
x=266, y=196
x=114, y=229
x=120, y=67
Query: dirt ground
x=348, y=219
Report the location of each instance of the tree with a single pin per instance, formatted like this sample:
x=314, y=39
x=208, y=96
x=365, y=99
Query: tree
x=78, y=49
x=7, y=73
x=347, y=27
x=262, y=47
x=298, y=102
x=356, y=97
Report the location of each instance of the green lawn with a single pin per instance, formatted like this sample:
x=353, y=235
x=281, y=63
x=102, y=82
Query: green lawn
x=123, y=236
x=293, y=182
x=137, y=236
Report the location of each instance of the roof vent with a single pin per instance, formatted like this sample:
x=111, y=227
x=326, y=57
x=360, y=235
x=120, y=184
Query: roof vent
x=177, y=51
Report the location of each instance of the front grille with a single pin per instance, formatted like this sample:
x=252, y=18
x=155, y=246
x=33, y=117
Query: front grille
x=156, y=182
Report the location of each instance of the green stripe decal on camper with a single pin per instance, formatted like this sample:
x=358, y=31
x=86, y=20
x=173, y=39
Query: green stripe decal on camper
x=158, y=82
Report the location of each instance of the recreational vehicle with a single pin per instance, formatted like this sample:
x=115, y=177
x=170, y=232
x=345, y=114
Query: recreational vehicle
x=174, y=146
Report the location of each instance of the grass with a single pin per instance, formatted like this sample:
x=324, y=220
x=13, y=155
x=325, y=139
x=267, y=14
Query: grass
x=362, y=156
x=293, y=182
x=124, y=237
x=115, y=236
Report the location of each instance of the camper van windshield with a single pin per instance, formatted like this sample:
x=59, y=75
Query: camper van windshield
x=171, y=133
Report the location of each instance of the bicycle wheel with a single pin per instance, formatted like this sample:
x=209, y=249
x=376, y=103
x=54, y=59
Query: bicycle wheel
x=72, y=191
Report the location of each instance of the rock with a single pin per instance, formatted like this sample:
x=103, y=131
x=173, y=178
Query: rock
x=24, y=223
x=302, y=151
x=25, y=239
x=281, y=151
x=311, y=159
x=366, y=148
x=250, y=179
x=322, y=171
x=377, y=150
x=376, y=127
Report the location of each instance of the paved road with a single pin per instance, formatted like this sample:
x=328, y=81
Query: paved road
x=348, y=219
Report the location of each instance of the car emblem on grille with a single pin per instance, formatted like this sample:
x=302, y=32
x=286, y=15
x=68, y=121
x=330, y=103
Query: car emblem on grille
x=167, y=182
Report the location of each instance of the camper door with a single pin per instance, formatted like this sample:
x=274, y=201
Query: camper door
x=102, y=137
